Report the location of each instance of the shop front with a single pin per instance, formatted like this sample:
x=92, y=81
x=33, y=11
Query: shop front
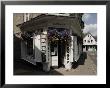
x=51, y=41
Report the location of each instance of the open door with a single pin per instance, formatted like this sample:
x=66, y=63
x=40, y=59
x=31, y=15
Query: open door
x=54, y=54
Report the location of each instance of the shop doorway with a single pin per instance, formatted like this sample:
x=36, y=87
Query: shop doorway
x=58, y=53
x=58, y=38
x=61, y=53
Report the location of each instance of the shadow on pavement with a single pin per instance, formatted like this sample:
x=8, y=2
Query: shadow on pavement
x=80, y=61
x=22, y=67
x=25, y=68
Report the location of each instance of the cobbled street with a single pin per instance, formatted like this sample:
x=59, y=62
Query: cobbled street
x=89, y=67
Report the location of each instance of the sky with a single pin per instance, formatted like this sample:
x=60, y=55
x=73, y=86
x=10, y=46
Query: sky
x=90, y=23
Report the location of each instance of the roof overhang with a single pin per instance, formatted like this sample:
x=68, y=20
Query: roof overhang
x=44, y=20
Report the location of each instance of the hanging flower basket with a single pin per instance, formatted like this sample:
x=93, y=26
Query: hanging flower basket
x=54, y=35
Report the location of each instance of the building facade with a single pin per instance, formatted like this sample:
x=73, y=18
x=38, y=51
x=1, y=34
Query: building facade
x=89, y=43
x=53, y=40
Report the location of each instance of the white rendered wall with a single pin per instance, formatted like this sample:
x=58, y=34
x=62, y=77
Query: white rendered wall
x=37, y=48
x=71, y=50
x=89, y=38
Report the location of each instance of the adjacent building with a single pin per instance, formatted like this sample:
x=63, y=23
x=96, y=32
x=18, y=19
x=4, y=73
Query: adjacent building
x=89, y=43
x=50, y=40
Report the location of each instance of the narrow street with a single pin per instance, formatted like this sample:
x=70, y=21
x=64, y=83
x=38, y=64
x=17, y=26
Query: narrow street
x=89, y=67
x=93, y=56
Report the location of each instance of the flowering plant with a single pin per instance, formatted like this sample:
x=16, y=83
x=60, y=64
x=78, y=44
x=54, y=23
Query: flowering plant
x=58, y=35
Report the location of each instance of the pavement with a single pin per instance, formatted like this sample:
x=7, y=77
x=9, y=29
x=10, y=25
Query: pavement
x=85, y=66
x=93, y=56
x=88, y=68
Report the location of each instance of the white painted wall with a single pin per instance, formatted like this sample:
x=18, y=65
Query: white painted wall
x=37, y=48
x=89, y=41
x=71, y=50
x=88, y=38
x=84, y=49
x=54, y=60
